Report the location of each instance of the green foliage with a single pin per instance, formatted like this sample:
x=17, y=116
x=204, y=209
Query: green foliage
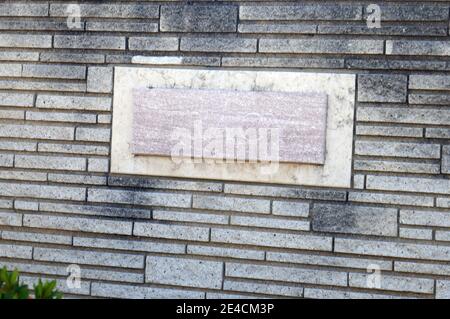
x=10, y=288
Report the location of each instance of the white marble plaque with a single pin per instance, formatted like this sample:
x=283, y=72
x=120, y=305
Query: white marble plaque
x=332, y=170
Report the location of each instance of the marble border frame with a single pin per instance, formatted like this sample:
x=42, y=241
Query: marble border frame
x=340, y=88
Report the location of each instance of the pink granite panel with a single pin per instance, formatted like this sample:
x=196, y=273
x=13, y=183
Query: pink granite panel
x=295, y=121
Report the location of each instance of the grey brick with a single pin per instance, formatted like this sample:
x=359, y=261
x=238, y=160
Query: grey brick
x=136, y=292
x=19, y=56
x=287, y=62
x=73, y=149
x=442, y=235
x=89, y=42
x=422, y=268
x=61, y=117
x=443, y=289
x=6, y=160
x=158, y=183
x=147, y=11
x=232, y=203
x=225, y=295
x=392, y=199
x=184, y=272
x=443, y=202
x=154, y=44
x=176, y=60
x=122, y=26
x=416, y=12
x=429, y=99
x=24, y=10
x=198, y=18
x=382, y=88
x=261, y=288
x=408, y=184
x=284, y=192
x=301, y=12
x=93, y=134
x=6, y=203
x=257, y=27
x=389, y=64
x=26, y=205
x=23, y=175
x=39, y=85
x=392, y=249
x=331, y=261
x=33, y=25
x=425, y=218
x=318, y=293
x=359, y=181
x=95, y=210
x=416, y=233
x=37, y=237
x=405, y=30
x=77, y=179
x=218, y=45
x=445, y=164
x=54, y=71
x=18, y=146
x=393, y=283
x=10, y=219
x=286, y=274
x=432, y=132
x=72, y=57
x=25, y=41
x=139, y=198
x=267, y=222
x=398, y=149
x=16, y=99
x=104, y=118
x=129, y=245
x=16, y=251
x=403, y=115
x=178, y=232
x=42, y=191
x=190, y=217
x=78, y=224
x=269, y=239
x=11, y=70
x=396, y=166
x=12, y=114
x=100, y=79
x=50, y=162
x=354, y=219
x=324, y=46
x=429, y=82
x=89, y=258
x=372, y=130
x=294, y=209
x=225, y=252
x=99, y=165
x=413, y=47
x=69, y=102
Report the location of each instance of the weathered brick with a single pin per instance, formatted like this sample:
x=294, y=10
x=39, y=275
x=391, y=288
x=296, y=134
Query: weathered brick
x=177, y=60
x=54, y=71
x=6, y=160
x=442, y=235
x=218, y=45
x=11, y=70
x=50, y=162
x=28, y=176
x=319, y=293
x=17, y=145
x=414, y=47
x=390, y=64
x=225, y=252
x=89, y=42
x=72, y=57
x=425, y=218
x=136, y=292
x=88, y=10
x=61, y=117
x=77, y=179
x=93, y=134
x=321, y=46
x=382, y=88
x=403, y=115
x=286, y=274
x=267, y=222
x=6, y=203
x=40, y=85
x=190, y=217
x=198, y=18
x=26, y=205
x=16, y=251
x=73, y=149
x=405, y=30
x=443, y=202
x=139, y=198
x=354, y=219
x=232, y=203
x=396, y=166
x=359, y=181
x=179, y=232
x=262, y=288
x=154, y=44
x=392, y=199
x=306, y=28
x=16, y=99
x=100, y=79
x=24, y=10
x=25, y=41
x=408, y=184
x=392, y=249
x=12, y=114
x=429, y=99
x=89, y=258
x=98, y=165
x=37, y=237
x=10, y=219
x=422, y=268
x=19, y=56
x=398, y=149
x=445, y=164
x=37, y=25
x=158, y=183
x=78, y=224
x=443, y=289
x=301, y=12
x=416, y=233
x=297, y=62
x=184, y=272
x=294, y=209
x=268, y=239
x=42, y=191
x=393, y=283
x=104, y=118
x=415, y=12
x=122, y=26
x=429, y=82
x=432, y=132
x=73, y=102
x=372, y=130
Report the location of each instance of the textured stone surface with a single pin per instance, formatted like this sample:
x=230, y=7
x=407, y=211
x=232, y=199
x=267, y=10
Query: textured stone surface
x=99, y=79
x=136, y=292
x=354, y=219
x=299, y=118
x=321, y=46
x=445, y=165
x=382, y=88
x=199, y=18
x=405, y=47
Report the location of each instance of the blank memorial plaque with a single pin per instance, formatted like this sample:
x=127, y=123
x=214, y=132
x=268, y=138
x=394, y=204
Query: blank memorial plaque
x=296, y=120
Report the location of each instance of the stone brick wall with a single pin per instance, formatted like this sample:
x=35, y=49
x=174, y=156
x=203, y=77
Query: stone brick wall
x=169, y=238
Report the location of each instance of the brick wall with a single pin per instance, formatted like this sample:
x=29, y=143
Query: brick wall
x=169, y=238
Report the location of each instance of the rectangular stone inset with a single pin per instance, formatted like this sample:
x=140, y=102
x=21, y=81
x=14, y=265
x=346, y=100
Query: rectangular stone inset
x=165, y=120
